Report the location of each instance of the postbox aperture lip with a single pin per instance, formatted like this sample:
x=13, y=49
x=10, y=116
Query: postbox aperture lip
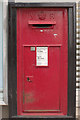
x=42, y=24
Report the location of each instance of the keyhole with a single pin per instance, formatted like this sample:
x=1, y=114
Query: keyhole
x=28, y=79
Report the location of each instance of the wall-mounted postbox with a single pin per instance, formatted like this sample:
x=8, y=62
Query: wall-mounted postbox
x=42, y=60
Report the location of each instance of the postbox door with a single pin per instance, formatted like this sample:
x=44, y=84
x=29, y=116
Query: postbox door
x=42, y=61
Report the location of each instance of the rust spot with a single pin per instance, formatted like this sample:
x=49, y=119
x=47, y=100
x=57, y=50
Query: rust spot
x=28, y=97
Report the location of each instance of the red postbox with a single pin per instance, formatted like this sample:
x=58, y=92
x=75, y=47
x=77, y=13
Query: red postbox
x=40, y=60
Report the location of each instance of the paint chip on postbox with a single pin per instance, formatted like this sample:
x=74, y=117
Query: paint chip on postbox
x=32, y=48
x=42, y=56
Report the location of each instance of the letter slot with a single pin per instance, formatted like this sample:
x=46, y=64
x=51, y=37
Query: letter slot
x=42, y=24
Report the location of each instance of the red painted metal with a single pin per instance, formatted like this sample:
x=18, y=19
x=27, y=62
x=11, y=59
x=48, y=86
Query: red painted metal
x=42, y=90
x=41, y=22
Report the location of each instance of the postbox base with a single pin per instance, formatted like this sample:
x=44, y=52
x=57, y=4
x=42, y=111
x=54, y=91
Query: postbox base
x=40, y=118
